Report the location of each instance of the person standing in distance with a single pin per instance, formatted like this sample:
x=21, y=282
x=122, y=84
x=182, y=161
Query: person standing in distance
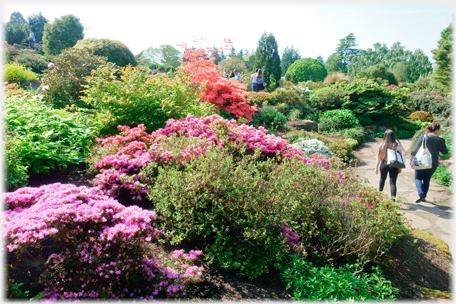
x=436, y=145
x=260, y=80
x=254, y=81
x=237, y=75
x=31, y=39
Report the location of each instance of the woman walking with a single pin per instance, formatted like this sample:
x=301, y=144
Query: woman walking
x=435, y=145
x=260, y=80
x=390, y=141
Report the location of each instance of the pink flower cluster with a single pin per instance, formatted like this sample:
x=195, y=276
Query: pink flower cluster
x=292, y=238
x=99, y=246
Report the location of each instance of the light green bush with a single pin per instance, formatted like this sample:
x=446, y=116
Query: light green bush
x=15, y=71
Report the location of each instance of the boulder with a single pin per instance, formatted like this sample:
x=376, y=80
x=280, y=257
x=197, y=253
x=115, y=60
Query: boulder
x=306, y=125
x=34, y=84
x=20, y=46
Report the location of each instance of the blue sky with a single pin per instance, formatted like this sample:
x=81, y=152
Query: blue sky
x=314, y=29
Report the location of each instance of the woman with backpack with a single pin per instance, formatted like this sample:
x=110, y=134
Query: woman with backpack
x=390, y=141
x=435, y=145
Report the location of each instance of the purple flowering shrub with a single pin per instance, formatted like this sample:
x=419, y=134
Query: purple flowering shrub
x=83, y=244
x=119, y=158
x=238, y=204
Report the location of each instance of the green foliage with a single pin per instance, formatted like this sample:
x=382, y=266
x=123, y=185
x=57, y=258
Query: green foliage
x=15, y=291
x=15, y=71
x=164, y=54
x=404, y=63
x=404, y=134
x=236, y=204
x=136, y=98
x=268, y=60
x=357, y=133
x=379, y=72
x=289, y=56
x=347, y=282
x=34, y=61
x=269, y=118
x=115, y=51
x=42, y=138
x=346, y=118
x=63, y=84
x=36, y=22
x=16, y=171
x=422, y=116
x=63, y=33
x=443, y=57
x=327, y=98
x=345, y=51
x=433, y=102
x=260, y=98
x=15, y=33
x=233, y=63
x=448, y=142
x=306, y=69
x=293, y=95
x=443, y=176
x=294, y=114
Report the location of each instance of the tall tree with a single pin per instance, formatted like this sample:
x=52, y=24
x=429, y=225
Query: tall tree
x=215, y=53
x=345, y=51
x=15, y=33
x=267, y=58
x=16, y=17
x=443, y=56
x=63, y=33
x=289, y=56
x=36, y=23
x=164, y=54
x=321, y=59
x=232, y=52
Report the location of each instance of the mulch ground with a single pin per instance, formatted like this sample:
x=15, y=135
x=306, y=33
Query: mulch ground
x=410, y=264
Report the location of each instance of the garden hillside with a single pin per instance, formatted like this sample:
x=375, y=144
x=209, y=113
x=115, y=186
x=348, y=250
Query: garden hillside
x=125, y=183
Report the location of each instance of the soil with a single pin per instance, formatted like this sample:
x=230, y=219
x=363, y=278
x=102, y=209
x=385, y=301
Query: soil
x=411, y=263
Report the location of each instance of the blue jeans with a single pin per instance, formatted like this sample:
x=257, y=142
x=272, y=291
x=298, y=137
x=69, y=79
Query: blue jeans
x=255, y=87
x=422, y=181
x=32, y=44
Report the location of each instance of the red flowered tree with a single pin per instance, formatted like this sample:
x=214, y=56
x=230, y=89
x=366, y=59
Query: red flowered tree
x=223, y=93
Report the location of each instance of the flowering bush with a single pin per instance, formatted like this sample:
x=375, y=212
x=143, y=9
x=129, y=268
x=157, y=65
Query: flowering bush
x=312, y=146
x=119, y=158
x=223, y=93
x=91, y=246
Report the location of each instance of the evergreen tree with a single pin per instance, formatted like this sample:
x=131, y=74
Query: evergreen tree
x=215, y=53
x=36, y=23
x=15, y=33
x=63, y=33
x=345, y=51
x=267, y=58
x=321, y=59
x=17, y=18
x=289, y=56
x=443, y=57
x=232, y=52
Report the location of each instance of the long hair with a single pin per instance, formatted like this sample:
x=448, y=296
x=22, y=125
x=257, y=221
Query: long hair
x=259, y=73
x=432, y=128
x=390, y=141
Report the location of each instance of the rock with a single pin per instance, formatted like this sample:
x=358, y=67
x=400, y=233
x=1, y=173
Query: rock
x=34, y=84
x=370, y=129
x=158, y=71
x=19, y=46
x=306, y=125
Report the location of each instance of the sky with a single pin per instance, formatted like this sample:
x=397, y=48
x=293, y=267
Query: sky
x=314, y=29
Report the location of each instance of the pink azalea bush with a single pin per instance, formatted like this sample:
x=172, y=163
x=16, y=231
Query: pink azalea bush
x=120, y=158
x=92, y=246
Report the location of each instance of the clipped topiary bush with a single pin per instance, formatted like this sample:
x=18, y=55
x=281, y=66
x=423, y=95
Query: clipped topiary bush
x=422, y=116
x=115, y=51
x=63, y=83
x=306, y=69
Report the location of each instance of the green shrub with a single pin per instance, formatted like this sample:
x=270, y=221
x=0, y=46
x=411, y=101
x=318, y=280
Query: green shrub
x=15, y=71
x=378, y=135
x=290, y=94
x=42, y=138
x=442, y=176
x=357, y=133
x=379, y=73
x=63, y=84
x=306, y=69
x=404, y=134
x=16, y=171
x=259, y=99
x=422, y=116
x=347, y=118
x=237, y=204
x=327, y=98
x=32, y=61
x=311, y=283
x=269, y=118
x=433, y=102
x=294, y=114
x=115, y=51
x=136, y=98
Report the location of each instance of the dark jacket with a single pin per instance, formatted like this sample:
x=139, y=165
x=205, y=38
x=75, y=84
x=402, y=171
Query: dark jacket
x=435, y=145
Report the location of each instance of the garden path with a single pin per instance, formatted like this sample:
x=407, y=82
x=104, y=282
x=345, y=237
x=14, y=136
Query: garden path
x=433, y=215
